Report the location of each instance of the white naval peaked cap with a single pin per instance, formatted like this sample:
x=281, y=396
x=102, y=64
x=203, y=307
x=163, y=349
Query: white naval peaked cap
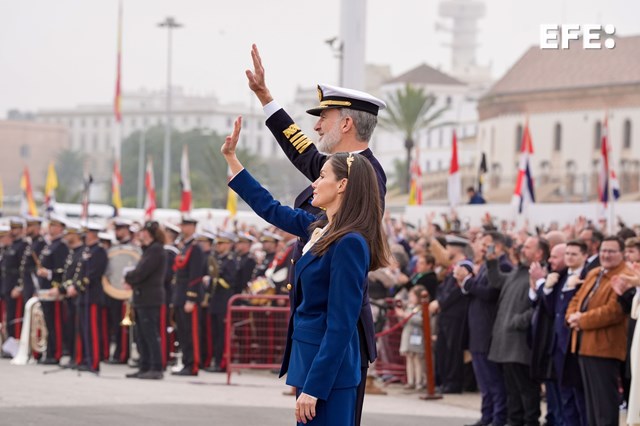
x=340, y=97
x=4, y=230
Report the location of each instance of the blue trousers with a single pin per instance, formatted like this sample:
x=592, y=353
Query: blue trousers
x=491, y=384
x=338, y=409
x=573, y=406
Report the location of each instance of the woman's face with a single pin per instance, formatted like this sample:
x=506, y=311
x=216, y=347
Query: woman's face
x=327, y=187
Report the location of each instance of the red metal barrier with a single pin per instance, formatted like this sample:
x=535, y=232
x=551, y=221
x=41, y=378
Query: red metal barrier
x=255, y=332
x=390, y=365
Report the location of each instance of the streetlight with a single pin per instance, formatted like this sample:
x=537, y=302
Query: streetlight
x=337, y=47
x=170, y=24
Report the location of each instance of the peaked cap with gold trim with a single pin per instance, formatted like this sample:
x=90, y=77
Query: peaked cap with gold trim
x=340, y=97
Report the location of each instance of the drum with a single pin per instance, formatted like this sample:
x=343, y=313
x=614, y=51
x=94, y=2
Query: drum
x=261, y=286
x=122, y=259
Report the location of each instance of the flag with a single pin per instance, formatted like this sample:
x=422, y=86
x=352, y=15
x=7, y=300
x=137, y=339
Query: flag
x=185, y=181
x=415, y=192
x=150, y=187
x=84, y=215
x=455, y=185
x=50, y=189
x=232, y=199
x=27, y=205
x=524, y=192
x=605, y=172
x=117, y=101
x=116, y=181
x=615, y=186
x=482, y=172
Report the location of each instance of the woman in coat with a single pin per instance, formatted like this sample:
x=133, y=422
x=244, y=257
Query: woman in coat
x=147, y=282
x=322, y=357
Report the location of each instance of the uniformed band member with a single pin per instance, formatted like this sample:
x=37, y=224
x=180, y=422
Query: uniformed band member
x=91, y=300
x=147, y=282
x=188, y=294
x=117, y=308
x=269, y=242
x=167, y=320
x=71, y=281
x=210, y=272
x=50, y=271
x=223, y=289
x=5, y=242
x=346, y=122
x=31, y=255
x=246, y=262
x=13, y=279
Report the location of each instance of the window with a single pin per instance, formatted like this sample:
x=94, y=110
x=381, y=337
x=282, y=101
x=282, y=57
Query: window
x=428, y=139
x=82, y=122
x=440, y=137
x=428, y=167
x=598, y=136
x=439, y=166
x=95, y=143
x=518, y=137
x=24, y=151
x=627, y=134
x=557, y=137
x=95, y=122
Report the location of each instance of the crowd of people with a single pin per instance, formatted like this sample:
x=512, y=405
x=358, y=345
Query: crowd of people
x=542, y=314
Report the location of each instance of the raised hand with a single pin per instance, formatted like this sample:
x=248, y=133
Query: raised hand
x=228, y=148
x=256, y=78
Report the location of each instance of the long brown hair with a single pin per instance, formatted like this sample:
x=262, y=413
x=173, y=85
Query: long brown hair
x=360, y=210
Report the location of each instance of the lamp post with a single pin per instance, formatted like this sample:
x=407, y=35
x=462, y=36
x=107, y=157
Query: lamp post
x=170, y=24
x=337, y=47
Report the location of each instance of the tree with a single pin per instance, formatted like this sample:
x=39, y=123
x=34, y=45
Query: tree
x=409, y=110
x=69, y=167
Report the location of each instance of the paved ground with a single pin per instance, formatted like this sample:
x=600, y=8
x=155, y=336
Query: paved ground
x=39, y=395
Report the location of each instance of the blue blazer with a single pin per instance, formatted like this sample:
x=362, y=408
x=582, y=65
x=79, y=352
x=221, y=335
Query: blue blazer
x=323, y=350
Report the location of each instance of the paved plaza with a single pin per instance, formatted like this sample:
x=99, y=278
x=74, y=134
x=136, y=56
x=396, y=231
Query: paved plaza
x=42, y=395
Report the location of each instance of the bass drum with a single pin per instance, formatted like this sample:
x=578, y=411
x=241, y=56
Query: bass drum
x=122, y=259
x=261, y=286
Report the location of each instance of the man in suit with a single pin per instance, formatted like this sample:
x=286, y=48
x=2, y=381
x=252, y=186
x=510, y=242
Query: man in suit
x=592, y=238
x=557, y=292
x=346, y=122
x=599, y=334
x=483, y=304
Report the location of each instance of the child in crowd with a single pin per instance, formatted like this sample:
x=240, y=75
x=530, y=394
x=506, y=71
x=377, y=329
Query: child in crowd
x=412, y=340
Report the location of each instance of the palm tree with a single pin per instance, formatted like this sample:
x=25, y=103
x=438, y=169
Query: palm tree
x=409, y=111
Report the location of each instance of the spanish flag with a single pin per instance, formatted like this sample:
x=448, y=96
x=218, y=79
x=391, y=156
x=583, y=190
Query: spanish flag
x=28, y=205
x=116, y=181
x=50, y=188
x=117, y=100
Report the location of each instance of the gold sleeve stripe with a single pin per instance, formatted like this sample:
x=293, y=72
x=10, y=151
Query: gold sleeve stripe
x=304, y=147
x=300, y=142
x=291, y=130
x=335, y=103
x=296, y=138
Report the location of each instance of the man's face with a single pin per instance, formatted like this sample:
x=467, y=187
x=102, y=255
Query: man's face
x=122, y=233
x=33, y=229
x=632, y=254
x=328, y=127
x=16, y=232
x=55, y=229
x=587, y=237
x=610, y=254
x=574, y=258
x=530, y=252
x=188, y=229
x=223, y=247
x=269, y=246
x=242, y=247
x=556, y=258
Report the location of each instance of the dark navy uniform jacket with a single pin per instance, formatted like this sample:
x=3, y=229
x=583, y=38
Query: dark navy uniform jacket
x=323, y=349
x=53, y=258
x=224, y=286
x=171, y=252
x=11, y=265
x=188, y=269
x=36, y=247
x=72, y=270
x=305, y=157
x=94, y=264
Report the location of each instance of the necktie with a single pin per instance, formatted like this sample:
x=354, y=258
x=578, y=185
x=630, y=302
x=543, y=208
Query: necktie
x=585, y=302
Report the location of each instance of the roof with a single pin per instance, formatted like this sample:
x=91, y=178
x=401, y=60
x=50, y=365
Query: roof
x=424, y=74
x=562, y=69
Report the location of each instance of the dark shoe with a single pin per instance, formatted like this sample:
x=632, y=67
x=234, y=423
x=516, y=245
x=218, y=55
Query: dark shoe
x=135, y=375
x=215, y=369
x=85, y=367
x=184, y=372
x=70, y=365
x=115, y=362
x=49, y=361
x=151, y=375
x=446, y=389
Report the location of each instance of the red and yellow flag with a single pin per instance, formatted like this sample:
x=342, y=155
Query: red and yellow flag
x=117, y=101
x=116, y=181
x=28, y=205
x=50, y=186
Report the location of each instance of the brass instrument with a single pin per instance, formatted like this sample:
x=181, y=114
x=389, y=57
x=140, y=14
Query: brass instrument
x=122, y=259
x=128, y=319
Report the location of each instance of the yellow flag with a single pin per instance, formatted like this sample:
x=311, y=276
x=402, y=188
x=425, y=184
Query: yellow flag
x=28, y=205
x=51, y=184
x=232, y=203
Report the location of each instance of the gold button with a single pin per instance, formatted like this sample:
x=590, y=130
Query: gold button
x=292, y=261
x=289, y=286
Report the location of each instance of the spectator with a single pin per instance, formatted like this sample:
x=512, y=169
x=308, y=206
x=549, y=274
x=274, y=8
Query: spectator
x=412, y=340
x=474, y=196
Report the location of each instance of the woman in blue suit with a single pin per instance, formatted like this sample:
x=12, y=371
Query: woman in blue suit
x=322, y=357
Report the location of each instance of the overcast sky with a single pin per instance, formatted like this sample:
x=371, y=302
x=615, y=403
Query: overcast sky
x=62, y=53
